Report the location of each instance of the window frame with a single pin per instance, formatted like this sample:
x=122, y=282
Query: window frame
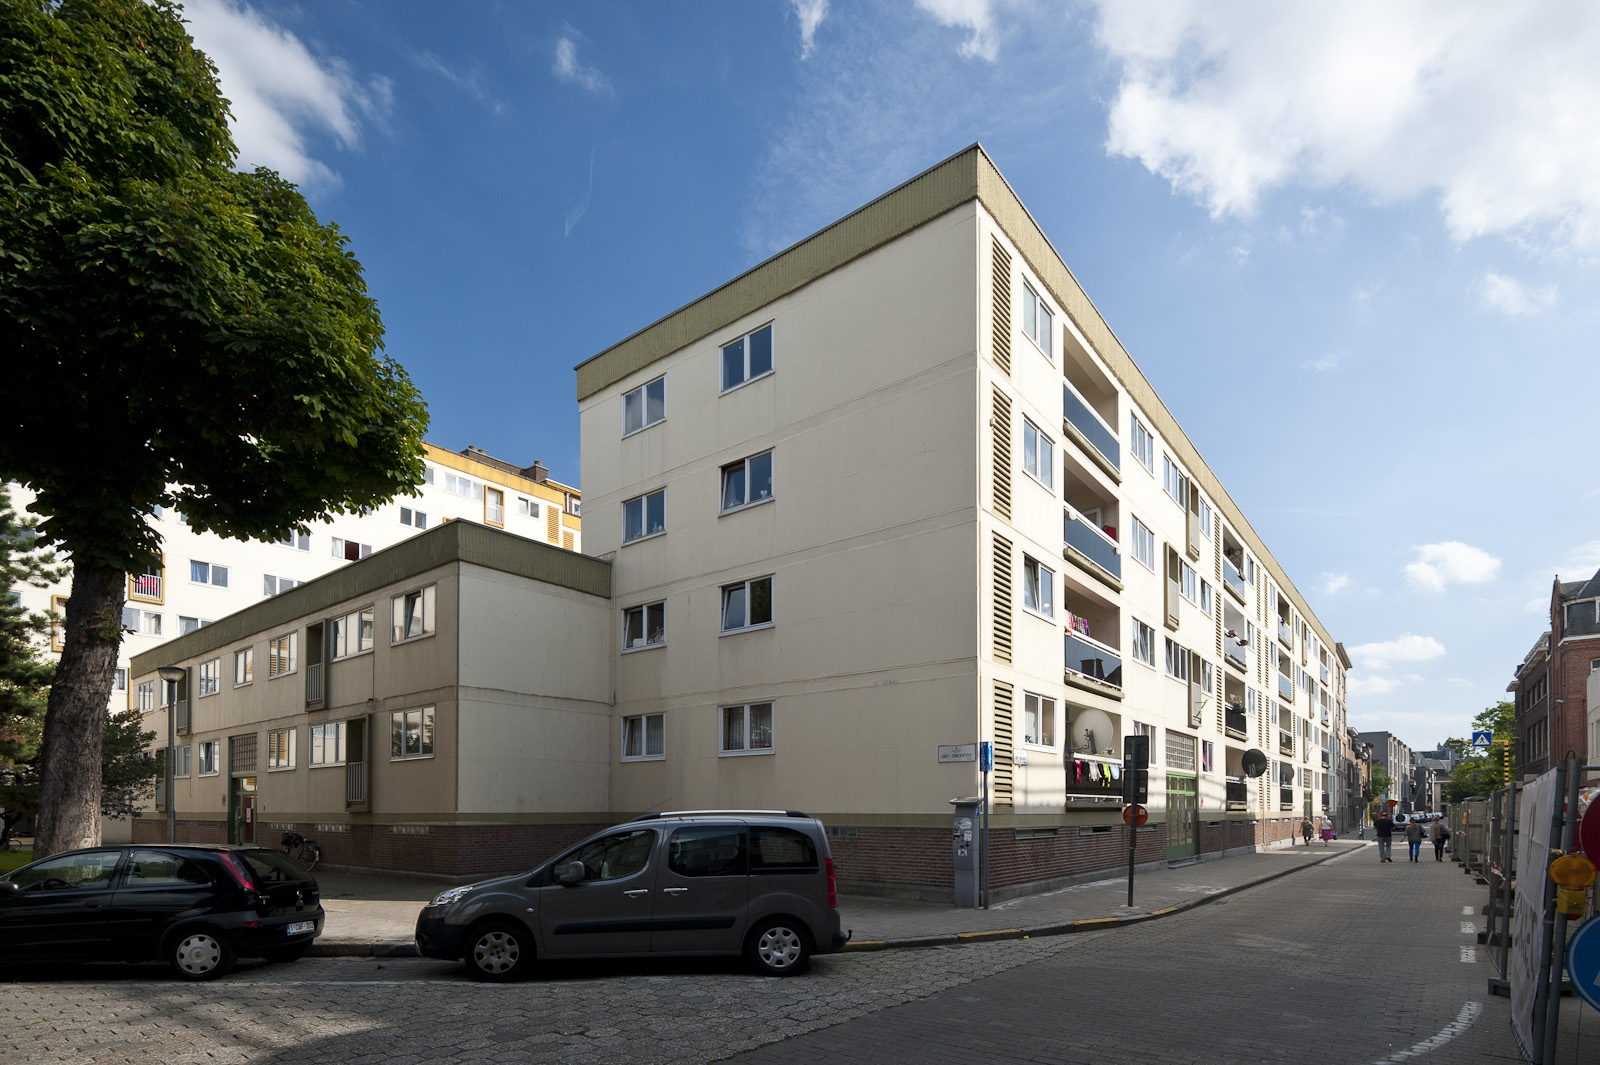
x=1038, y=584
x=337, y=629
x=749, y=598
x=312, y=736
x=643, y=500
x=494, y=501
x=1035, y=307
x=1140, y=434
x=643, y=721
x=205, y=686
x=744, y=341
x=1174, y=482
x=211, y=570
x=248, y=656
x=276, y=762
x=1042, y=445
x=426, y=733
x=1145, y=635
x=274, y=654
x=185, y=770
x=746, y=711
x=1177, y=663
x=1142, y=534
x=742, y=466
x=643, y=610
x=1033, y=704
x=214, y=747
x=1188, y=582
x=400, y=614
x=644, y=406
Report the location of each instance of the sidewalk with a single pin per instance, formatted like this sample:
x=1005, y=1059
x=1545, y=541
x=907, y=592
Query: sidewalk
x=374, y=915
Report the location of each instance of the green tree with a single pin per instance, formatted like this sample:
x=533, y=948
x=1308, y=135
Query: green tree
x=1382, y=782
x=1481, y=771
x=178, y=334
x=25, y=671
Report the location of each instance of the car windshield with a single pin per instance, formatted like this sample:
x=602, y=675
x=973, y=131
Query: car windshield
x=270, y=867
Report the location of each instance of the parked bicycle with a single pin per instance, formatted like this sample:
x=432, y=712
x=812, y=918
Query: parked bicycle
x=302, y=849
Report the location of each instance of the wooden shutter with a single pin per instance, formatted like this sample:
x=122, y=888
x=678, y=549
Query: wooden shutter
x=1002, y=308
x=566, y=539
x=1003, y=598
x=553, y=523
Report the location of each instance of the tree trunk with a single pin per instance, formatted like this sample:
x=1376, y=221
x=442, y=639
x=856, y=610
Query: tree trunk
x=74, y=723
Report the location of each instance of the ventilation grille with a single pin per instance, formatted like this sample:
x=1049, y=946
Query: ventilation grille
x=566, y=539
x=1002, y=599
x=553, y=524
x=1004, y=698
x=1000, y=426
x=1002, y=309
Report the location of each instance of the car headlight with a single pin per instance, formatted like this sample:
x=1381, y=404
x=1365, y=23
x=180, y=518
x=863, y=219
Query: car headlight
x=453, y=895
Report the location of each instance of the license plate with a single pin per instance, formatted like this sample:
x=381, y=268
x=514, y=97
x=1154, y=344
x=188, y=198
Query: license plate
x=301, y=927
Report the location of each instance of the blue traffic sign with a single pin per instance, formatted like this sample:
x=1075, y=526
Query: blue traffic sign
x=985, y=757
x=1483, y=739
x=1583, y=961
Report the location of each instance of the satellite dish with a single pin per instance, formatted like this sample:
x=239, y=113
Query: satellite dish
x=1254, y=763
x=1400, y=819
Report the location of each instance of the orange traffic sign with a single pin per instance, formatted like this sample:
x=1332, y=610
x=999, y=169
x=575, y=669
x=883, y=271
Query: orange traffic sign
x=1135, y=815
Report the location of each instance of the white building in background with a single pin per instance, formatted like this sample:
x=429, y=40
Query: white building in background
x=204, y=576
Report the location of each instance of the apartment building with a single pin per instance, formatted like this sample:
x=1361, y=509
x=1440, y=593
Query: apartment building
x=204, y=577
x=1551, y=684
x=899, y=490
x=440, y=706
x=1394, y=754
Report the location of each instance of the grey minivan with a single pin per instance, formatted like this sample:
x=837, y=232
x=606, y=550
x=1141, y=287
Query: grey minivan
x=757, y=883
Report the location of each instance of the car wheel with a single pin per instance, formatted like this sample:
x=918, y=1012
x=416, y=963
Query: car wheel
x=200, y=955
x=499, y=951
x=779, y=947
x=294, y=953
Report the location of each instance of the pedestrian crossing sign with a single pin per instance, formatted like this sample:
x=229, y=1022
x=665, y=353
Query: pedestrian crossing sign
x=1483, y=738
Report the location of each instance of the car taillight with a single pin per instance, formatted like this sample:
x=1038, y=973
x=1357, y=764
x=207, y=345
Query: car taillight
x=833, y=892
x=237, y=870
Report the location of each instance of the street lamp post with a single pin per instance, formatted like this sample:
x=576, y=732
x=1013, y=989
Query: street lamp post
x=170, y=676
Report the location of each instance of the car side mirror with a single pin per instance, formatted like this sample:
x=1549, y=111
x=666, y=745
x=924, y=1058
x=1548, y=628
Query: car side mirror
x=571, y=873
x=7, y=889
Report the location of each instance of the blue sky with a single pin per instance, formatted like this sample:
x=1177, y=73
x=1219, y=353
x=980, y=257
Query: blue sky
x=1354, y=247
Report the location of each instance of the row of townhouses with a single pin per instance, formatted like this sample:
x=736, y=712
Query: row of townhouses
x=1556, y=687
x=896, y=492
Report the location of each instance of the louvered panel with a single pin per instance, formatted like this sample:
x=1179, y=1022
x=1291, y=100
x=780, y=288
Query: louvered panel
x=1000, y=428
x=1002, y=308
x=1004, y=701
x=1002, y=599
x=566, y=539
x=553, y=523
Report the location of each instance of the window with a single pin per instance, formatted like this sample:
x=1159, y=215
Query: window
x=180, y=761
x=280, y=748
x=1037, y=320
x=271, y=585
x=644, y=737
x=1038, y=720
x=244, y=666
x=188, y=625
x=707, y=850
x=1188, y=582
x=781, y=850
x=1205, y=598
x=1142, y=445
x=349, y=550
x=207, y=758
x=1038, y=587
x=494, y=506
x=147, y=696
x=1205, y=519
x=351, y=634
x=465, y=487
x=747, y=729
x=1144, y=544
x=119, y=680
x=414, y=518
x=1038, y=453
x=1174, y=482
x=210, y=676
x=747, y=358
x=644, y=626
x=206, y=573
x=1207, y=676
x=1144, y=643
x=1208, y=756
x=281, y=654
x=73, y=872
x=1177, y=661
x=747, y=605
x=613, y=857
x=644, y=515
x=411, y=615
x=427, y=475
x=1141, y=729
x=298, y=540
x=327, y=744
x=644, y=406
x=527, y=508
x=156, y=869
x=747, y=481
x=411, y=734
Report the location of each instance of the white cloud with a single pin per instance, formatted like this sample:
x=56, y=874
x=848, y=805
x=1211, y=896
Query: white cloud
x=1460, y=682
x=1510, y=296
x=1580, y=564
x=1539, y=604
x=810, y=13
x=279, y=91
x=1334, y=583
x=570, y=69
x=1407, y=648
x=974, y=16
x=1359, y=684
x=1321, y=364
x=1488, y=108
x=1451, y=562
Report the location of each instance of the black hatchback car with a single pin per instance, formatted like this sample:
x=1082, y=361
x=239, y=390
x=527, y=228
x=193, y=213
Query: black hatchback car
x=198, y=908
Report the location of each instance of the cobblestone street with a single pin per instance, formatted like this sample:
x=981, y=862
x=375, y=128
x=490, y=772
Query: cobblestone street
x=1350, y=961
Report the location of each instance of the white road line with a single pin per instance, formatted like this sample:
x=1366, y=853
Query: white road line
x=1466, y=911
x=1468, y=928
x=1463, y=1021
x=1469, y=954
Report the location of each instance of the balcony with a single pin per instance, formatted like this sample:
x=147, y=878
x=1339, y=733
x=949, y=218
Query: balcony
x=1236, y=652
x=145, y=586
x=1285, y=632
x=1092, y=665
x=1285, y=688
x=1326, y=804
x=1091, y=548
x=1324, y=759
x=1233, y=580
x=1286, y=742
x=1093, y=777
x=1285, y=799
x=1238, y=793
x=355, y=783
x=313, y=684
x=1090, y=432
x=1234, y=722
x=1324, y=669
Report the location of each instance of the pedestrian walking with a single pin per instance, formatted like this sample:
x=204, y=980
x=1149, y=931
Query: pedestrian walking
x=1414, y=839
x=1327, y=832
x=1438, y=833
x=1306, y=831
x=1383, y=829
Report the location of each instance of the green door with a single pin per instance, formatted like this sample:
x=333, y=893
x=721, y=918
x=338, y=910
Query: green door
x=1183, y=817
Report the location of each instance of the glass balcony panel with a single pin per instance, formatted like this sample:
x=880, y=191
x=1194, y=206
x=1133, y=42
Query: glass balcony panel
x=1285, y=632
x=1285, y=688
x=1093, y=543
x=1088, y=422
x=1230, y=573
x=1087, y=658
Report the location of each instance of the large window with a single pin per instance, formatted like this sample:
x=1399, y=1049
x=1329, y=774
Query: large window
x=465, y=487
x=494, y=507
x=644, y=515
x=747, y=605
x=1038, y=587
x=644, y=626
x=145, y=621
x=1177, y=661
x=1205, y=597
x=281, y=654
x=414, y=518
x=180, y=761
x=351, y=634
x=1144, y=643
x=411, y=615
x=747, y=481
x=280, y=748
x=244, y=666
x=210, y=677
x=1141, y=444
x=644, y=406
x=747, y=358
x=1037, y=320
x=1038, y=720
x=1149, y=731
x=299, y=540
x=747, y=729
x=207, y=758
x=707, y=850
x=1174, y=482
x=1144, y=544
x=411, y=733
x=147, y=696
x=1188, y=582
x=327, y=744
x=187, y=625
x=644, y=737
x=206, y=573
x=350, y=550
x=271, y=585
x=1038, y=455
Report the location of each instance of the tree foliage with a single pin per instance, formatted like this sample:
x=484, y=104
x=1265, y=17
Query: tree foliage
x=184, y=335
x=1481, y=772
x=1382, y=782
x=25, y=671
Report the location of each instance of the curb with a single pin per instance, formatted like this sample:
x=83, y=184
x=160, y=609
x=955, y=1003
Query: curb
x=349, y=949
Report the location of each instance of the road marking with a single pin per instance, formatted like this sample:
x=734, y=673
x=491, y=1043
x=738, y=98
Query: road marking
x=1463, y=1021
x=1468, y=928
x=1466, y=911
x=1469, y=954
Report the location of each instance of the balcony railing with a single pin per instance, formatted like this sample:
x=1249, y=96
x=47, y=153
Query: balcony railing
x=1285, y=798
x=1088, y=540
x=313, y=683
x=146, y=586
x=1088, y=422
x=180, y=718
x=1092, y=659
x=1233, y=718
x=1286, y=742
x=1325, y=759
x=1236, y=652
x=1233, y=579
x=1285, y=688
x=1238, y=793
x=1285, y=632
x=1324, y=673
x=1326, y=804
x=355, y=782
